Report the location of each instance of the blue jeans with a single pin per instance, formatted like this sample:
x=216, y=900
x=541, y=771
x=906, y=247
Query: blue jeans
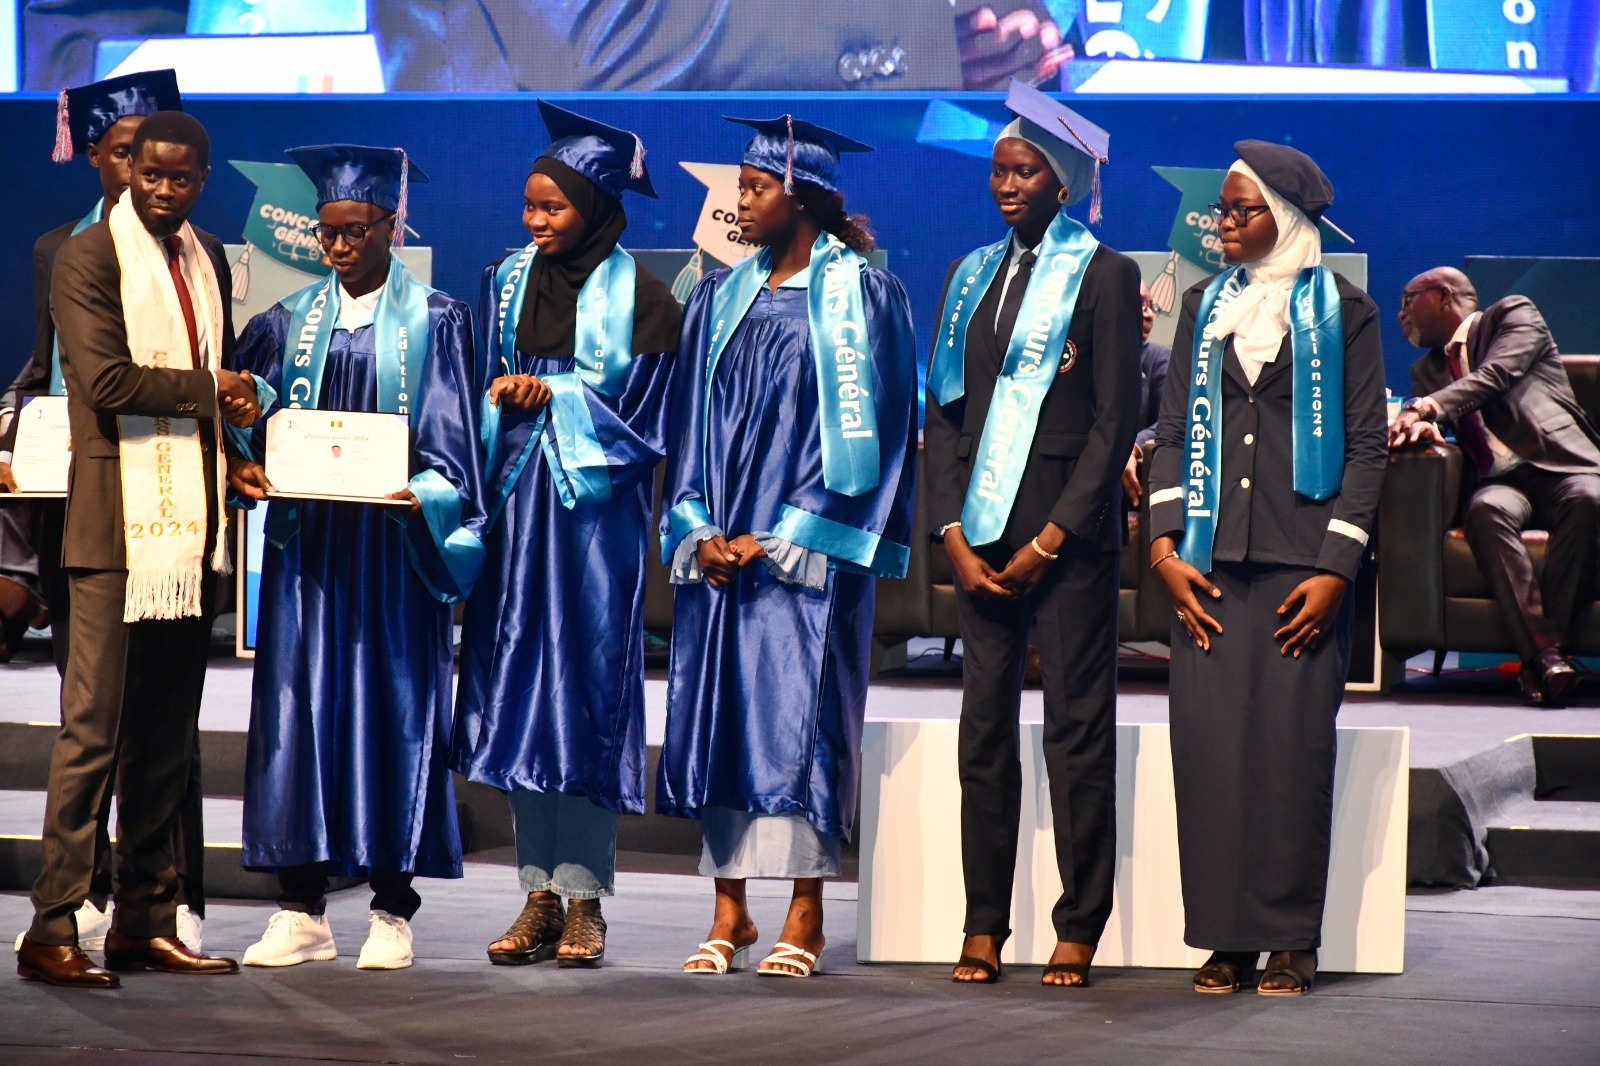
x=565, y=844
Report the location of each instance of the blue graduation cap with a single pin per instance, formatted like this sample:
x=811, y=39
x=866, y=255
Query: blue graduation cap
x=1076, y=147
x=84, y=114
x=796, y=148
x=611, y=158
x=367, y=175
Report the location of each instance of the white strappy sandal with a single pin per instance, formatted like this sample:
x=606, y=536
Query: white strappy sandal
x=785, y=956
x=720, y=963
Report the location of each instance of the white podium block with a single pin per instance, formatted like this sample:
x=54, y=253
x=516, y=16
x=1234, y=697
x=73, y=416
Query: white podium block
x=911, y=897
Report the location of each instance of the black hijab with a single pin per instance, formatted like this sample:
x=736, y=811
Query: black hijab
x=548, y=324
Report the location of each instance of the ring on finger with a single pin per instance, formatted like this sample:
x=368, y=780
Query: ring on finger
x=1182, y=617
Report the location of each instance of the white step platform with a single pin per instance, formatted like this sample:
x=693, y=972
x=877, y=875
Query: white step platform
x=911, y=896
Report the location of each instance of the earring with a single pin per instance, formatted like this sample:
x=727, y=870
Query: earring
x=1064, y=195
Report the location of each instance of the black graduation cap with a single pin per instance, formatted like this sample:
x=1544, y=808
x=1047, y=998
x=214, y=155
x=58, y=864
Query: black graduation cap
x=1290, y=173
x=361, y=173
x=795, y=148
x=611, y=158
x=84, y=114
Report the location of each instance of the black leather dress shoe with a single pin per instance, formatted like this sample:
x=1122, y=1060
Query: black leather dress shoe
x=63, y=965
x=1558, y=677
x=164, y=954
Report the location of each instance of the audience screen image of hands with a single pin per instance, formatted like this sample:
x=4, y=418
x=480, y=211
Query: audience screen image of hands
x=737, y=45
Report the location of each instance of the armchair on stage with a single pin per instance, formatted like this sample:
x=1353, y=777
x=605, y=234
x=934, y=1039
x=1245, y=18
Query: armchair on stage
x=1431, y=593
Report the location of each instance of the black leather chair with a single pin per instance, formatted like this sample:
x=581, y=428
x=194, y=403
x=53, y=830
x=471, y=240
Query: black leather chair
x=1431, y=594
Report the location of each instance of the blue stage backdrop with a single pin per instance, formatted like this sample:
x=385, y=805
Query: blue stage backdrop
x=1419, y=182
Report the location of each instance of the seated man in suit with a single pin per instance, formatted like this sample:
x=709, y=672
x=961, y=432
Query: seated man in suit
x=1496, y=378
x=1153, y=360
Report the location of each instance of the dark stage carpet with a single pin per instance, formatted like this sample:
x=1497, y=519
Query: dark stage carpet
x=1500, y=975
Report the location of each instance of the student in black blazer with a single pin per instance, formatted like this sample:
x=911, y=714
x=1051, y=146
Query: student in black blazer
x=1047, y=562
x=1495, y=377
x=1258, y=526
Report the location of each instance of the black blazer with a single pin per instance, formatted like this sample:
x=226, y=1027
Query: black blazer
x=1086, y=426
x=1260, y=518
x=1518, y=385
x=103, y=382
x=34, y=377
x=1153, y=360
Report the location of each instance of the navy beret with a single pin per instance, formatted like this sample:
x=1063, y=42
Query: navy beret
x=1290, y=173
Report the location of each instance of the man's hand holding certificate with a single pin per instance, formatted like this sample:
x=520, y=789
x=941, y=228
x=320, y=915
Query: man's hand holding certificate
x=349, y=456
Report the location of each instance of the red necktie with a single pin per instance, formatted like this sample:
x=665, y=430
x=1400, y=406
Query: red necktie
x=1470, y=433
x=174, y=247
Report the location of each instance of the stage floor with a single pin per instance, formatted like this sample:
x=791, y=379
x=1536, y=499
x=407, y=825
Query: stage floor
x=1499, y=975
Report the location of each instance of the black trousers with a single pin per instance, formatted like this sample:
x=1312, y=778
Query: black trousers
x=304, y=888
x=1072, y=617
x=1538, y=613
x=130, y=704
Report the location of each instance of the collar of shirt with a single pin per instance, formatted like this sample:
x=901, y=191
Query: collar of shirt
x=357, y=311
x=1461, y=334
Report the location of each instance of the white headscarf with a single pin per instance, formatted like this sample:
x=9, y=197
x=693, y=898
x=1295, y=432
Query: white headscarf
x=1258, y=317
x=1072, y=168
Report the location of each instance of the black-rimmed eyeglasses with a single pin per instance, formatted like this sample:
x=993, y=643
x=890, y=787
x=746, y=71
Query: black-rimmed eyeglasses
x=353, y=234
x=1240, y=213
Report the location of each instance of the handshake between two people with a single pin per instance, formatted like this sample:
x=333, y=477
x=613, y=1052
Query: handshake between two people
x=237, y=399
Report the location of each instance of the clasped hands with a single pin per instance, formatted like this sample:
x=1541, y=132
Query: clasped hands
x=721, y=559
x=521, y=392
x=1311, y=606
x=236, y=398
x=1022, y=573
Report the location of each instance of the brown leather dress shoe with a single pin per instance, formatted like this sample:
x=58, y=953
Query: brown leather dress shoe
x=63, y=965
x=164, y=954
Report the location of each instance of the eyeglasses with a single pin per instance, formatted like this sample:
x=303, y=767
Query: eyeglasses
x=1240, y=213
x=353, y=234
x=1410, y=295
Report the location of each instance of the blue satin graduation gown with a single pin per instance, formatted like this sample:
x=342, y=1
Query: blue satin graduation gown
x=551, y=695
x=768, y=683
x=350, y=708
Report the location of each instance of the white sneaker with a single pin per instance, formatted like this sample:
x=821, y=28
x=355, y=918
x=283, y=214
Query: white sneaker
x=292, y=937
x=189, y=928
x=388, y=945
x=93, y=924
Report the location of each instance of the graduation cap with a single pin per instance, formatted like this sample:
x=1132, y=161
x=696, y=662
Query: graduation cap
x=1290, y=173
x=611, y=158
x=1072, y=143
x=84, y=114
x=796, y=148
x=367, y=175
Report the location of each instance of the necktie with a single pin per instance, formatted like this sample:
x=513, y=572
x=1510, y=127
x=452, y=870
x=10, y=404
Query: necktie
x=174, y=247
x=1013, y=301
x=1470, y=433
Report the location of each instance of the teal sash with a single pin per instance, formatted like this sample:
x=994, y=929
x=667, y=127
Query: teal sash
x=401, y=342
x=838, y=324
x=1033, y=353
x=947, y=380
x=602, y=356
x=58, y=381
x=1316, y=342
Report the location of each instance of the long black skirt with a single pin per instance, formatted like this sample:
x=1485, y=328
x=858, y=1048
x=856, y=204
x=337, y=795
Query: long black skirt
x=1252, y=761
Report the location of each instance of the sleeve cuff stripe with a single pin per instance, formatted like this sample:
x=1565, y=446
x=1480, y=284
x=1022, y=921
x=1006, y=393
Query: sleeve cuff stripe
x=1174, y=493
x=1348, y=529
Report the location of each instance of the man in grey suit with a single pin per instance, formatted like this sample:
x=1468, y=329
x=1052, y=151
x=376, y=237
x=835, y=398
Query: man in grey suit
x=1496, y=378
x=132, y=690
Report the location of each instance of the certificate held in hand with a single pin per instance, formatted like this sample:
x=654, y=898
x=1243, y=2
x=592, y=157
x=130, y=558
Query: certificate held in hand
x=350, y=456
x=43, y=448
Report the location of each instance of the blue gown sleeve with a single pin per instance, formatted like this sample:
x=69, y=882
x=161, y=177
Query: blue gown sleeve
x=446, y=541
x=870, y=532
x=684, y=508
x=597, y=444
x=260, y=351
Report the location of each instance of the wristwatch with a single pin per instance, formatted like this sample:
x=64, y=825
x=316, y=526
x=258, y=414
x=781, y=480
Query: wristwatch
x=1425, y=408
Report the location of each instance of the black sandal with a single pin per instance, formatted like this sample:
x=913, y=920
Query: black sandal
x=584, y=926
x=535, y=933
x=992, y=971
x=1292, y=972
x=1225, y=972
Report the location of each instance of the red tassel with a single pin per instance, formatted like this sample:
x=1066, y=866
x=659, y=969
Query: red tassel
x=636, y=171
x=63, y=150
x=398, y=237
x=788, y=167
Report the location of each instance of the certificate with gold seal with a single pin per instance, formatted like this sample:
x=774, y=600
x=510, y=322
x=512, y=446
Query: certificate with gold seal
x=349, y=456
x=42, y=451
